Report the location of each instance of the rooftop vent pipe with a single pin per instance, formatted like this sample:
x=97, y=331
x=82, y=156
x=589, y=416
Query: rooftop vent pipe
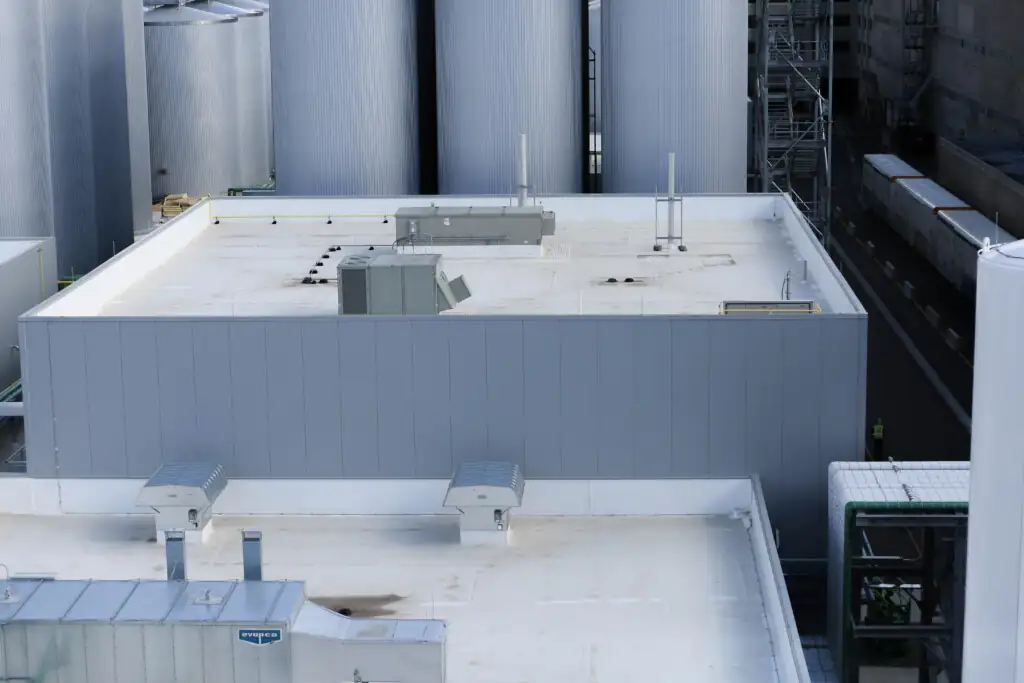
x=524, y=170
x=175, y=553
x=252, y=555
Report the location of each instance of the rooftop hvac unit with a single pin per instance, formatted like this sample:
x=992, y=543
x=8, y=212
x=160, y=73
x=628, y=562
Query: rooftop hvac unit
x=468, y=225
x=388, y=283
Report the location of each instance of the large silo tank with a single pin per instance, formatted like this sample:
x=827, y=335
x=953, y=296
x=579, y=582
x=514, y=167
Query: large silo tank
x=25, y=195
x=995, y=531
x=506, y=68
x=344, y=81
x=251, y=128
x=193, y=111
x=674, y=80
x=264, y=56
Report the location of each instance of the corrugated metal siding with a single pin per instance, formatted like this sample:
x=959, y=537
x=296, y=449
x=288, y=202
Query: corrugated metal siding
x=252, y=108
x=25, y=184
x=345, y=100
x=120, y=131
x=674, y=80
x=504, y=69
x=69, y=79
x=564, y=398
x=193, y=111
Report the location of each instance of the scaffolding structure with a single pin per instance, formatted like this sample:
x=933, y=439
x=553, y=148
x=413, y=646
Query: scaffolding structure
x=900, y=605
x=793, y=104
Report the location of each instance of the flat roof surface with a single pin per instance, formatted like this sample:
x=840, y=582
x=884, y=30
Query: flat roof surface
x=228, y=258
x=575, y=598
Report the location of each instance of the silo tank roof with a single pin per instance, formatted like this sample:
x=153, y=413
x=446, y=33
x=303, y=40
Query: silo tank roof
x=184, y=16
x=255, y=5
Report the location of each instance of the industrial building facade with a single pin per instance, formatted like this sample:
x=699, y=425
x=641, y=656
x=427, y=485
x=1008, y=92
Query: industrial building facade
x=581, y=397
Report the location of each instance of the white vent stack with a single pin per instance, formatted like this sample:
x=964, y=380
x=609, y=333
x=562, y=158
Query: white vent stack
x=995, y=568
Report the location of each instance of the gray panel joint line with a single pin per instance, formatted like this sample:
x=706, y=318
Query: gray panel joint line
x=926, y=367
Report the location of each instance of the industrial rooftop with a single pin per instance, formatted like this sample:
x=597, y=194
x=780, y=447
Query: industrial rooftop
x=247, y=257
x=596, y=598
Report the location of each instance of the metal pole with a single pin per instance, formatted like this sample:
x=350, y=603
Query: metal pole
x=523, y=170
x=671, y=196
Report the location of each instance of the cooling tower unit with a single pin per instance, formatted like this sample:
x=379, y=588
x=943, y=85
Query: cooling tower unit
x=254, y=127
x=193, y=109
x=344, y=82
x=674, y=80
x=506, y=68
x=995, y=533
x=25, y=208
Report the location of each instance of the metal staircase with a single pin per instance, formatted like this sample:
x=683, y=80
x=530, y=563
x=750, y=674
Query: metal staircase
x=793, y=124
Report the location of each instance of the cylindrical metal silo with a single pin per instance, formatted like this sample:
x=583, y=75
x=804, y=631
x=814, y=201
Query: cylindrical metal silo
x=193, y=112
x=253, y=126
x=25, y=194
x=995, y=532
x=264, y=56
x=506, y=68
x=674, y=80
x=344, y=81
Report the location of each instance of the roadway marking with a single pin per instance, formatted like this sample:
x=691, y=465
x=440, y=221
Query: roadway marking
x=944, y=393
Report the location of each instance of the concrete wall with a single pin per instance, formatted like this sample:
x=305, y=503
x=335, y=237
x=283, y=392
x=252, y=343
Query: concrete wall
x=25, y=281
x=392, y=398
x=984, y=187
x=979, y=68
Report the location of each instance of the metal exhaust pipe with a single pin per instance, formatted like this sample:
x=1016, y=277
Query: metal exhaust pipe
x=175, y=554
x=524, y=170
x=252, y=555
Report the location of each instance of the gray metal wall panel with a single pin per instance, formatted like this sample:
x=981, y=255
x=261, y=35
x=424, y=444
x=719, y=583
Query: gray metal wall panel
x=504, y=69
x=105, y=390
x=253, y=123
x=396, y=445
x=674, y=80
x=414, y=397
x=212, y=354
x=193, y=109
x=73, y=433
x=129, y=638
x=250, y=395
x=542, y=389
x=431, y=395
x=652, y=400
x=691, y=391
x=579, y=400
x=321, y=367
x=358, y=379
x=727, y=401
x=504, y=358
x=345, y=98
x=176, y=391
x=467, y=358
x=140, y=378
x=101, y=655
x=27, y=209
x=137, y=116
x=37, y=389
x=614, y=400
x=285, y=400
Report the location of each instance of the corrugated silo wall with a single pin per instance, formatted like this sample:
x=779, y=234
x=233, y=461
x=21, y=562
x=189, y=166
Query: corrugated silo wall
x=192, y=108
x=98, y=133
x=504, y=69
x=345, y=100
x=567, y=398
x=25, y=187
x=253, y=125
x=674, y=79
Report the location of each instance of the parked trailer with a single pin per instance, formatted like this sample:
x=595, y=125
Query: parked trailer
x=940, y=226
